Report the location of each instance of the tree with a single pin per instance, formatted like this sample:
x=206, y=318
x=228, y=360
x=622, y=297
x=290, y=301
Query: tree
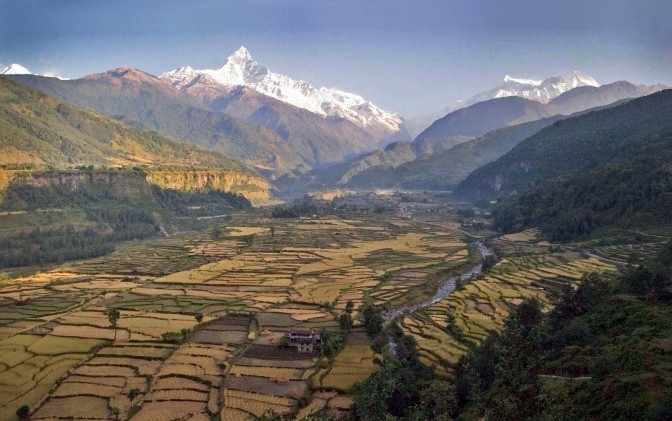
x=349, y=307
x=345, y=321
x=249, y=240
x=439, y=399
x=373, y=320
x=489, y=262
x=198, y=317
x=283, y=343
x=23, y=412
x=113, y=316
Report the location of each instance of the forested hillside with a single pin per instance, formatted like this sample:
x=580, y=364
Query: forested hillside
x=640, y=128
x=62, y=215
x=444, y=170
x=607, y=168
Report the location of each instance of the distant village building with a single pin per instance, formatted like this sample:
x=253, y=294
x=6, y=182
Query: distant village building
x=305, y=340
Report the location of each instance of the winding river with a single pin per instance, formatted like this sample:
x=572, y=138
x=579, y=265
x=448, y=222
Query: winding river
x=445, y=289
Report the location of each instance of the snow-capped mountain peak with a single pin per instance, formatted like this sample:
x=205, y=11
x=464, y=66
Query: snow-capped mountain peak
x=582, y=79
x=240, y=69
x=15, y=69
x=241, y=54
x=532, y=89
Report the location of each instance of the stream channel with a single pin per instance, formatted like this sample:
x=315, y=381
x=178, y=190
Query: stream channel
x=445, y=289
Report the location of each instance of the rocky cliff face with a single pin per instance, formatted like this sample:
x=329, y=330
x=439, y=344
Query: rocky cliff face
x=251, y=186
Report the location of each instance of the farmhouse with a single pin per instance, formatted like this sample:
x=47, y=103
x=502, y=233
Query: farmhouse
x=305, y=340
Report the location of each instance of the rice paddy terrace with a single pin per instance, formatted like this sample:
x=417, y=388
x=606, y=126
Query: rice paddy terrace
x=201, y=317
x=445, y=330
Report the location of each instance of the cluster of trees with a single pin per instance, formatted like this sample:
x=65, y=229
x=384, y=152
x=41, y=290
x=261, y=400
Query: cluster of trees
x=42, y=246
x=127, y=223
x=599, y=354
x=297, y=210
x=372, y=318
x=333, y=341
x=402, y=388
x=124, y=209
x=199, y=203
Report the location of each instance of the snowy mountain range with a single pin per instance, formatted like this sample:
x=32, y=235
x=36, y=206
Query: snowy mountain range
x=536, y=90
x=240, y=69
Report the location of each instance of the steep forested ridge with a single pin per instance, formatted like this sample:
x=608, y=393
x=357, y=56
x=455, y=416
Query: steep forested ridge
x=607, y=167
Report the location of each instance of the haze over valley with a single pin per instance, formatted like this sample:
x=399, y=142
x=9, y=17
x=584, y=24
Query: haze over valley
x=352, y=211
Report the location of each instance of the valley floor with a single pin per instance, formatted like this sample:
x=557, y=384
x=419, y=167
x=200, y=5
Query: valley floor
x=202, y=315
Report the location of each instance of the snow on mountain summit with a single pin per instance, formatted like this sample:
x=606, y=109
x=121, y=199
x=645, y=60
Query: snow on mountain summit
x=509, y=79
x=582, y=79
x=15, y=69
x=535, y=90
x=240, y=69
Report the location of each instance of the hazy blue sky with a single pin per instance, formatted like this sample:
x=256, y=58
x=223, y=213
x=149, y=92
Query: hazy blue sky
x=412, y=57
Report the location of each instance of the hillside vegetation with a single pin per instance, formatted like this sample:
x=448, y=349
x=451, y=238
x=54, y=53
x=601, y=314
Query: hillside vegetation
x=637, y=129
x=601, y=353
x=38, y=129
x=607, y=168
x=56, y=216
x=444, y=170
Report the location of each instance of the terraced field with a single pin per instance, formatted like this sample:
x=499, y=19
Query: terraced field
x=113, y=381
x=631, y=253
x=31, y=364
x=353, y=364
x=201, y=317
x=444, y=330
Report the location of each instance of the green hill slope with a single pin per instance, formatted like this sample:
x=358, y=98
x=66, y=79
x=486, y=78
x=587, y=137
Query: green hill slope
x=38, y=129
x=137, y=97
x=640, y=127
x=606, y=168
x=444, y=170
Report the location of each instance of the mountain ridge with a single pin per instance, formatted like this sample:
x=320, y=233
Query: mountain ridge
x=480, y=121
x=574, y=144
x=135, y=96
x=240, y=69
x=37, y=130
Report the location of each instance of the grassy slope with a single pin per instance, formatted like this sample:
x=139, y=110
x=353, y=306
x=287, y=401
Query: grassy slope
x=141, y=99
x=36, y=128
